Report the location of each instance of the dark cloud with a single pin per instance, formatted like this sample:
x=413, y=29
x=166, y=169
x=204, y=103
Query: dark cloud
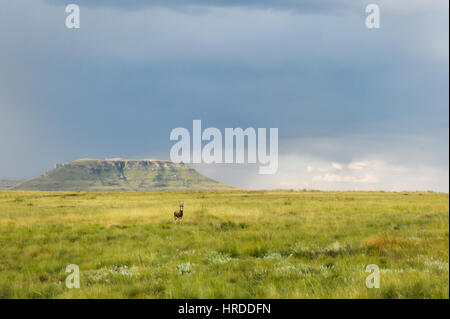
x=304, y=6
x=117, y=86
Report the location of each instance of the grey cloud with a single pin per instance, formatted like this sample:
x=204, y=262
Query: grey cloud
x=117, y=86
x=367, y=162
x=303, y=6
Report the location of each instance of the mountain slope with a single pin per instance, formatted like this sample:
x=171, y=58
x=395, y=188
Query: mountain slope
x=121, y=175
x=8, y=183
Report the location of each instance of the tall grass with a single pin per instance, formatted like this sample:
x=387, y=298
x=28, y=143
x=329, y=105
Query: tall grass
x=260, y=244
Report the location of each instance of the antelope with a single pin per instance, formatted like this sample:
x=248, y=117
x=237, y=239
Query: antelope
x=178, y=214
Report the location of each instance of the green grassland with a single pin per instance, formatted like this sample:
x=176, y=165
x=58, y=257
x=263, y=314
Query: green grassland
x=230, y=244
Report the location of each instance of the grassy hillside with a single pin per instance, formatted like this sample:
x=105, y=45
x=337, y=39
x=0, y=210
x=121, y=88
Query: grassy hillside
x=121, y=175
x=8, y=183
x=230, y=244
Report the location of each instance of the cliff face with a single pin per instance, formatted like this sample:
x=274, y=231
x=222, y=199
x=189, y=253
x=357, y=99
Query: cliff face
x=121, y=175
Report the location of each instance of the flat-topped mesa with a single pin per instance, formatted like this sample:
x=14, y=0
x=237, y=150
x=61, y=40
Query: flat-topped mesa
x=121, y=162
x=143, y=162
x=121, y=175
x=115, y=160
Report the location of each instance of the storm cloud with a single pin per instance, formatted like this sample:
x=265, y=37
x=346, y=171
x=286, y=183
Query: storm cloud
x=338, y=92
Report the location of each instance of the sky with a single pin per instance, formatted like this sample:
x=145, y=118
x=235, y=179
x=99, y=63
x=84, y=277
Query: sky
x=355, y=108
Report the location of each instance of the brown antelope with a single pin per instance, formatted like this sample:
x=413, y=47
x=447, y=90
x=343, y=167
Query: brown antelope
x=178, y=214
